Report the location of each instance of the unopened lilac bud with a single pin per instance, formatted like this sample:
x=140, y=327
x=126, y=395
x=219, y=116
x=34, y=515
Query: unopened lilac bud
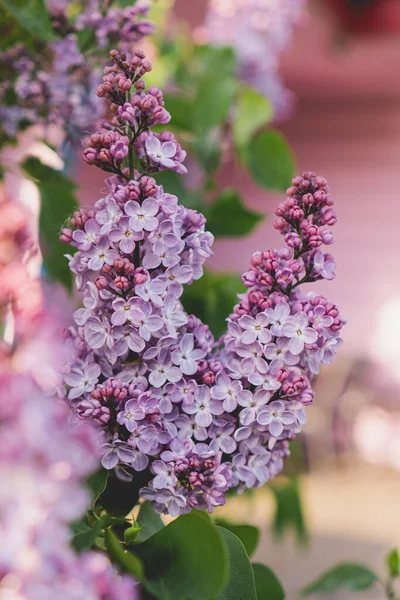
x=101, y=282
x=121, y=283
x=66, y=235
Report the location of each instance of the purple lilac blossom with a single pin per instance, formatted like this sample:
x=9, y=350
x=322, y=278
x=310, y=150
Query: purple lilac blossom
x=199, y=416
x=258, y=31
x=56, y=85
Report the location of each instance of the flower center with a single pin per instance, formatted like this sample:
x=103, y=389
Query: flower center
x=128, y=415
x=298, y=332
x=127, y=233
x=126, y=307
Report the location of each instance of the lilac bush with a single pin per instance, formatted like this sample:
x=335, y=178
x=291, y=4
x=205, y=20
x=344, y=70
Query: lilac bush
x=56, y=84
x=199, y=416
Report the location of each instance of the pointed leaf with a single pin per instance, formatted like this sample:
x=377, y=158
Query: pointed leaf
x=349, y=576
x=247, y=534
x=241, y=585
x=270, y=160
x=268, y=585
x=149, y=520
x=289, y=514
x=393, y=563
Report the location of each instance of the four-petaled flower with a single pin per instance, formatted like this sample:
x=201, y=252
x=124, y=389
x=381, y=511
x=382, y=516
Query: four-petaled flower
x=299, y=332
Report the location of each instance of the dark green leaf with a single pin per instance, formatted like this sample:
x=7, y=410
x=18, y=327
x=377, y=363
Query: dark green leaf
x=149, y=520
x=349, y=576
x=85, y=537
x=212, y=299
x=247, y=534
x=98, y=483
x=120, y=497
x=393, y=563
x=127, y=562
x=212, y=101
x=253, y=111
x=57, y=202
x=228, y=216
x=270, y=160
x=289, y=510
x=241, y=584
x=32, y=15
x=268, y=585
x=186, y=559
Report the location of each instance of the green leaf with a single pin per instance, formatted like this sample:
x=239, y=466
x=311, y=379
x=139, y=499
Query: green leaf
x=268, y=585
x=212, y=299
x=32, y=15
x=86, y=39
x=349, y=576
x=85, y=537
x=393, y=563
x=213, y=100
x=247, y=534
x=119, y=497
x=127, y=562
x=218, y=61
x=180, y=108
x=173, y=183
x=186, y=559
x=289, y=510
x=253, y=111
x=57, y=202
x=241, y=585
x=207, y=148
x=270, y=160
x=98, y=483
x=228, y=216
x=149, y=520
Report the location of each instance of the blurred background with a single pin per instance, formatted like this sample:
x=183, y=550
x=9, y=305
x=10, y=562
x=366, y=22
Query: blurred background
x=343, y=67
x=340, y=113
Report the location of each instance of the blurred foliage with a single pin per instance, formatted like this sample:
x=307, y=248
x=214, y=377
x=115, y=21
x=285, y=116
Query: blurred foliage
x=348, y=576
x=32, y=16
x=212, y=299
x=57, y=203
x=289, y=513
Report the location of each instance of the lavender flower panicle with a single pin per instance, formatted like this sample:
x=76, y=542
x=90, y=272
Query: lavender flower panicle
x=45, y=456
x=57, y=86
x=200, y=416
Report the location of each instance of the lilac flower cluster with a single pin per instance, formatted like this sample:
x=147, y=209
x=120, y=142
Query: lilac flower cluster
x=57, y=86
x=137, y=110
x=258, y=30
x=199, y=416
x=45, y=458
